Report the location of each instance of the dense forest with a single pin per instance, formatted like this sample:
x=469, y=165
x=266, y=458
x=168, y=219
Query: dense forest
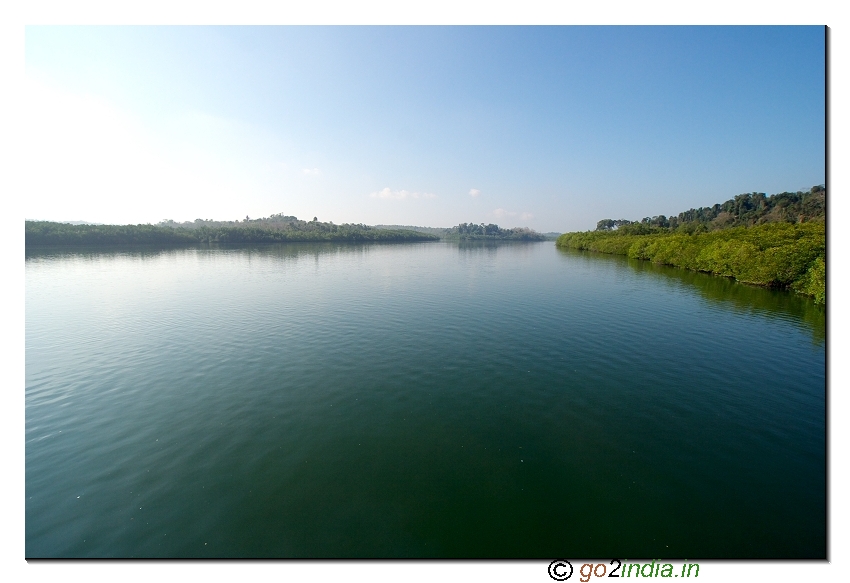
x=472, y=231
x=274, y=229
x=745, y=210
x=776, y=241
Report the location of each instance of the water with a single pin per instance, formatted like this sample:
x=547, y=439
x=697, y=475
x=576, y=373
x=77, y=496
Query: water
x=419, y=400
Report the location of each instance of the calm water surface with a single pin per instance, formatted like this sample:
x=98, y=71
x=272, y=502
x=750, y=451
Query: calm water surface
x=420, y=400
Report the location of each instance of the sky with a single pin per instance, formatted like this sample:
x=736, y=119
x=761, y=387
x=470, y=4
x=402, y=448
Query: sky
x=552, y=128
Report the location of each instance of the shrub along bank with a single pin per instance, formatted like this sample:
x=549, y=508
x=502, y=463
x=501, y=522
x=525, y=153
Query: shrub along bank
x=782, y=255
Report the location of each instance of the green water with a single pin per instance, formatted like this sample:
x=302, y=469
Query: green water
x=419, y=400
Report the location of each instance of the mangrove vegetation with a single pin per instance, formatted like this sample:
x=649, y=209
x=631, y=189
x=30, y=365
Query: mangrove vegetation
x=491, y=232
x=274, y=229
x=278, y=228
x=775, y=241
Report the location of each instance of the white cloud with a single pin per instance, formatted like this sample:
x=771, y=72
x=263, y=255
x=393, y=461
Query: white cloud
x=389, y=194
x=311, y=171
x=526, y=216
x=474, y=192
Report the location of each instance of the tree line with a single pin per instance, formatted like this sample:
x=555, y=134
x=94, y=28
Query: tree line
x=472, y=231
x=275, y=229
x=744, y=210
x=776, y=241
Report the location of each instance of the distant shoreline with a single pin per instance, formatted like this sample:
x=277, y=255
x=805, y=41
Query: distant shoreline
x=271, y=230
x=61, y=235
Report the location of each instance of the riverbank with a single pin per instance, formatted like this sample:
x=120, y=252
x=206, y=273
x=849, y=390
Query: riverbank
x=779, y=255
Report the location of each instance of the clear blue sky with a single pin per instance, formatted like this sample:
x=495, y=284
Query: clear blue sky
x=548, y=127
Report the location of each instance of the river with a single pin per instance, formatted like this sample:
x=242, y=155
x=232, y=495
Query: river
x=417, y=400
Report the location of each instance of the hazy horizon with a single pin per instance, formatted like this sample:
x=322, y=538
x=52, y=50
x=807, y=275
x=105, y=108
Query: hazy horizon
x=552, y=128
x=86, y=222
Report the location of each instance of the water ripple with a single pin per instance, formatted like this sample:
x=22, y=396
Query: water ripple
x=416, y=400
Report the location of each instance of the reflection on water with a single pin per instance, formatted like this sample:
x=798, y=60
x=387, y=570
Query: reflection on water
x=416, y=400
x=742, y=298
x=279, y=250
